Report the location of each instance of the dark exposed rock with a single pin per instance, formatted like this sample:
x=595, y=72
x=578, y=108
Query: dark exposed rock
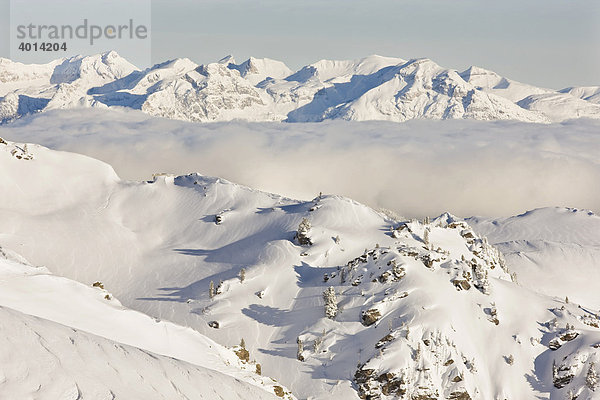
x=384, y=340
x=218, y=219
x=214, y=324
x=370, y=316
x=555, y=344
x=243, y=354
x=459, y=396
x=568, y=336
x=278, y=391
x=461, y=284
x=562, y=381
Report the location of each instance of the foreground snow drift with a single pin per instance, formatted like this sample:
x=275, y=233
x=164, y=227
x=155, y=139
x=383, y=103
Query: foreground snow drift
x=120, y=362
x=44, y=360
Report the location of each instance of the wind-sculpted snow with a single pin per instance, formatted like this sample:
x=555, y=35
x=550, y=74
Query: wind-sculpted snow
x=332, y=298
x=372, y=88
x=47, y=361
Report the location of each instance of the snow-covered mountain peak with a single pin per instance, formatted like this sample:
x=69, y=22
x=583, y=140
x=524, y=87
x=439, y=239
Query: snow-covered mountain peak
x=480, y=76
x=259, y=69
x=177, y=65
x=337, y=70
x=229, y=59
x=105, y=66
x=370, y=88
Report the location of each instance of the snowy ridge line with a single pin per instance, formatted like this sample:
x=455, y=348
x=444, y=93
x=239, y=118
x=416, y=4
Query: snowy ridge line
x=372, y=88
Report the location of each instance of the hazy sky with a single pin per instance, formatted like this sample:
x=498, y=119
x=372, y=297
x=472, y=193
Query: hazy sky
x=552, y=43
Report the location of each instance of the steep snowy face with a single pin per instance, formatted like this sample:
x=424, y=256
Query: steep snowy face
x=208, y=93
x=9, y=107
x=372, y=88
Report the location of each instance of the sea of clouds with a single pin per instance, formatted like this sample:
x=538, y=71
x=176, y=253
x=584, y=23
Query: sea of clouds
x=414, y=168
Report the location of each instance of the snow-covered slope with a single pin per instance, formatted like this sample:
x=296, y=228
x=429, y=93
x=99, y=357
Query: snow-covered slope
x=15, y=75
x=48, y=361
x=94, y=343
x=555, y=251
x=415, y=303
x=588, y=93
x=560, y=106
x=372, y=88
x=491, y=82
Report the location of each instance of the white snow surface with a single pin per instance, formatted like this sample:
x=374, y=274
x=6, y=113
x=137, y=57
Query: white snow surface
x=371, y=88
x=561, y=244
x=589, y=93
x=61, y=336
x=45, y=360
x=417, y=301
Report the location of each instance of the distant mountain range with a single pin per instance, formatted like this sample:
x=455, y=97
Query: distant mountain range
x=372, y=88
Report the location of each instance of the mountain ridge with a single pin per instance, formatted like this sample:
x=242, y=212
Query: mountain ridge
x=371, y=88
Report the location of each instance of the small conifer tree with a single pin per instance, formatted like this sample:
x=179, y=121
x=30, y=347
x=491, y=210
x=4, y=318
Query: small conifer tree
x=426, y=237
x=591, y=379
x=299, y=355
x=302, y=233
x=330, y=298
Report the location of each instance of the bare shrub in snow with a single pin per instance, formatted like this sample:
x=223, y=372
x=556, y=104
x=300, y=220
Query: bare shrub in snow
x=211, y=289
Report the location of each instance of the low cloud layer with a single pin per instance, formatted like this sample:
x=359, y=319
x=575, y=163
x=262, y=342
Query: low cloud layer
x=415, y=168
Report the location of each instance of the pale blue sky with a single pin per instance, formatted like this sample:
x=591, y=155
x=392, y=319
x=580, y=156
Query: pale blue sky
x=552, y=43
